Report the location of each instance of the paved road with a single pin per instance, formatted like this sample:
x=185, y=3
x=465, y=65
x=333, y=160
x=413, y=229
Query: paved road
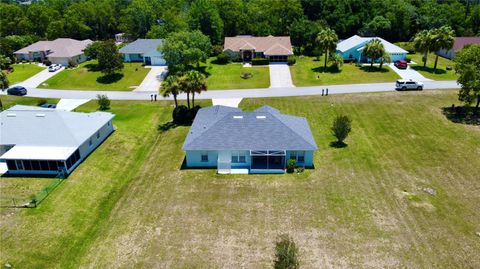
x=247, y=93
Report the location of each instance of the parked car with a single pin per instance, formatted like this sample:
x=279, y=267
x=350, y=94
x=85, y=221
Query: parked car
x=401, y=64
x=403, y=85
x=17, y=90
x=54, y=67
x=48, y=105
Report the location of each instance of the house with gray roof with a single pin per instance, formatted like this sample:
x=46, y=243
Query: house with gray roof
x=143, y=50
x=234, y=141
x=352, y=49
x=45, y=141
x=59, y=51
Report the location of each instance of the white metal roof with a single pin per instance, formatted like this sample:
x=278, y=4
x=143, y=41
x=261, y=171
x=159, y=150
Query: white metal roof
x=38, y=153
x=358, y=40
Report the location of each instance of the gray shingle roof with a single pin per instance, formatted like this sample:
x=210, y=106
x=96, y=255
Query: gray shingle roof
x=224, y=128
x=141, y=46
x=34, y=126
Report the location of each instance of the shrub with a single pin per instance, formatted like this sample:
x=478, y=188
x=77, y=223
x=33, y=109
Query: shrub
x=408, y=59
x=237, y=59
x=291, y=164
x=260, y=61
x=182, y=115
x=217, y=50
x=285, y=253
x=72, y=63
x=336, y=60
x=223, y=58
x=41, y=102
x=342, y=125
x=47, y=62
x=4, y=83
x=103, y=102
x=291, y=60
x=246, y=75
x=300, y=169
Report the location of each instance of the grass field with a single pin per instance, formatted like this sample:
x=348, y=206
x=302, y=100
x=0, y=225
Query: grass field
x=224, y=77
x=129, y=206
x=441, y=74
x=22, y=72
x=308, y=72
x=86, y=77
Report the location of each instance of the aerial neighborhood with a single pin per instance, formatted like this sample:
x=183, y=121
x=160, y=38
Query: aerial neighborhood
x=239, y=134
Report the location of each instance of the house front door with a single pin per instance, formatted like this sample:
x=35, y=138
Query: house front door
x=148, y=61
x=247, y=55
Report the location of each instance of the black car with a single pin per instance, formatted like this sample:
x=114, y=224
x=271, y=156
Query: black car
x=17, y=90
x=48, y=105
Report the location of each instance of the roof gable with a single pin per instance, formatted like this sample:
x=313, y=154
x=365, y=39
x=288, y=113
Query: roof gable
x=142, y=46
x=358, y=41
x=60, y=47
x=263, y=129
x=275, y=44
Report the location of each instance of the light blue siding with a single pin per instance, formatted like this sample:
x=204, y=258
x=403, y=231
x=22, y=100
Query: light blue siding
x=354, y=53
x=131, y=57
x=194, y=158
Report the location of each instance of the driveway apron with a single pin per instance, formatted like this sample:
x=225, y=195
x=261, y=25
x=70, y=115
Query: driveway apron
x=280, y=76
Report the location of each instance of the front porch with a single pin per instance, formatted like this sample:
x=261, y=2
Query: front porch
x=259, y=162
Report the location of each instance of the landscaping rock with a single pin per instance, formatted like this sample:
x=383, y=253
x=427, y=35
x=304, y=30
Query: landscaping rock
x=430, y=191
x=7, y=265
x=478, y=234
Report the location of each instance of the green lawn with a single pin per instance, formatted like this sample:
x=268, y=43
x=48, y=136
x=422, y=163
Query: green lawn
x=86, y=77
x=130, y=206
x=308, y=72
x=22, y=72
x=227, y=76
x=441, y=74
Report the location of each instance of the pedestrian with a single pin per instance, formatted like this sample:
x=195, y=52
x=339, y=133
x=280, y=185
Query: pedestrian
x=151, y=97
x=323, y=91
x=155, y=97
x=326, y=92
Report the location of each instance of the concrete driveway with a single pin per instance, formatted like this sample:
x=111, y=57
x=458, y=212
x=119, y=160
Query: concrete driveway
x=408, y=73
x=151, y=82
x=280, y=75
x=40, y=77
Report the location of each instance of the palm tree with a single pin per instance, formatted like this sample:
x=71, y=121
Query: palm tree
x=170, y=86
x=327, y=41
x=374, y=50
x=385, y=59
x=422, y=42
x=196, y=83
x=442, y=38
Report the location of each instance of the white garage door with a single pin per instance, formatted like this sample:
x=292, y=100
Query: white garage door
x=157, y=60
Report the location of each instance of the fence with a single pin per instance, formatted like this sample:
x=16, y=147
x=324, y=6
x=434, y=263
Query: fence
x=34, y=200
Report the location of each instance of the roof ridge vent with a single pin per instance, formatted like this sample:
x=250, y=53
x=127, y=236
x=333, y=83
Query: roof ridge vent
x=40, y=115
x=11, y=115
x=261, y=117
x=238, y=117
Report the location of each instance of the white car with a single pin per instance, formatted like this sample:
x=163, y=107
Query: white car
x=403, y=85
x=54, y=67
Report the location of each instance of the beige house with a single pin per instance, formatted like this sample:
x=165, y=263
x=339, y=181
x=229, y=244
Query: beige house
x=58, y=51
x=274, y=48
x=460, y=42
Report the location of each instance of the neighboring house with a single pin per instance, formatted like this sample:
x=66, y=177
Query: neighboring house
x=261, y=141
x=44, y=141
x=352, y=48
x=143, y=50
x=58, y=51
x=274, y=48
x=460, y=42
x=121, y=38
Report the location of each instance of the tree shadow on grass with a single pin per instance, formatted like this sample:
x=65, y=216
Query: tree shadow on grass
x=430, y=70
x=329, y=69
x=92, y=67
x=162, y=128
x=108, y=79
x=338, y=144
x=374, y=69
x=463, y=115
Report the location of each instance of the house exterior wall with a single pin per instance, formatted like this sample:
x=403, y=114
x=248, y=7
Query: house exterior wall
x=354, y=53
x=132, y=57
x=156, y=57
x=194, y=158
x=65, y=60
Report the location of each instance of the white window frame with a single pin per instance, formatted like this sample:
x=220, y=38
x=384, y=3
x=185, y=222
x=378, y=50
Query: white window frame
x=90, y=142
x=237, y=157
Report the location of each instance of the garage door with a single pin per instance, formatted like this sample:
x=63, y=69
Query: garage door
x=157, y=60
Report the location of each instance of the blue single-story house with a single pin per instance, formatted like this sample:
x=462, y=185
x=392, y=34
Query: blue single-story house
x=143, y=50
x=261, y=141
x=351, y=49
